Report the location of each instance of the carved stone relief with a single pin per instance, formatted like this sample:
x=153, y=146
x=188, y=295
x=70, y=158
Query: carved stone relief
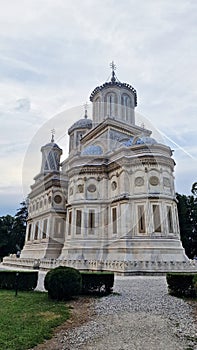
x=114, y=185
x=154, y=181
x=139, y=181
x=166, y=182
x=80, y=188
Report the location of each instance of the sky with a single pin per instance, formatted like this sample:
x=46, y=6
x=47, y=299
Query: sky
x=53, y=53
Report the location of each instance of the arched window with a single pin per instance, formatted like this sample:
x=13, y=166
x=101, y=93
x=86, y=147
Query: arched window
x=97, y=107
x=126, y=106
x=110, y=104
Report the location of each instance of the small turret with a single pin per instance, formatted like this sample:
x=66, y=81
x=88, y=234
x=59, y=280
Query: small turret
x=78, y=130
x=51, y=154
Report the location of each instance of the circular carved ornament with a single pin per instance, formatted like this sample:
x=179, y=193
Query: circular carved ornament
x=91, y=188
x=166, y=182
x=154, y=181
x=57, y=199
x=114, y=185
x=139, y=181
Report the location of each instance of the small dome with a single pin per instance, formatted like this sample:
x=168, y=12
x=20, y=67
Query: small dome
x=51, y=145
x=92, y=150
x=84, y=123
x=51, y=154
x=145, y=140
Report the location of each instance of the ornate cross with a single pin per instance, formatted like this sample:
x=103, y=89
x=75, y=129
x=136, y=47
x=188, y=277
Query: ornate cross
x=86, y=109
x=52, y=135
x=113, y=66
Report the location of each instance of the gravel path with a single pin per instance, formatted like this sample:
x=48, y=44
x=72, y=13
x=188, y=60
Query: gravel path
x=141, y=315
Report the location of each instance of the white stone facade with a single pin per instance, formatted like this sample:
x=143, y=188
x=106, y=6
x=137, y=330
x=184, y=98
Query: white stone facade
x=112, y=205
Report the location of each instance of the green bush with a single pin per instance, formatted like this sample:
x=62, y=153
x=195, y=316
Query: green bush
x=24, y=280
x=63, y=283
x=181, y=284
x=99, y=282
x=48, y=275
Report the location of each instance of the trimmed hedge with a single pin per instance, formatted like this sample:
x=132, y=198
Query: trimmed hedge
x=182, y=284
x=195, y=283
x=25, y=280
x=63, y=283
x=99, y=282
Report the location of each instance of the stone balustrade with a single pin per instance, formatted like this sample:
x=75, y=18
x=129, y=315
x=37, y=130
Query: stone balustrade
x=120, y=267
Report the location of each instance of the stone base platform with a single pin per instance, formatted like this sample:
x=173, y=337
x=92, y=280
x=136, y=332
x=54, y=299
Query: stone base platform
x=119, y=267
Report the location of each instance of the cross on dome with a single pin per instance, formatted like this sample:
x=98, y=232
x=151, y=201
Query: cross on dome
x=52, y=135
x=86, y=110
x=113, y=67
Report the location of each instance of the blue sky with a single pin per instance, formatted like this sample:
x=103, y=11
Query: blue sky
x=54, y=53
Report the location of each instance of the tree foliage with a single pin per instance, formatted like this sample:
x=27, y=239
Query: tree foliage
x=194, y=189
x=187, y=210
x=12, y=231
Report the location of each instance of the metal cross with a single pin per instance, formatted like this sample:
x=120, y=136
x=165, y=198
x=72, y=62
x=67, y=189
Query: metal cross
x=52, y=135
x=113, y=66
x=86, y=108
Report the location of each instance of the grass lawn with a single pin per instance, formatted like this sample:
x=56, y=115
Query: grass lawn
x=28, y=319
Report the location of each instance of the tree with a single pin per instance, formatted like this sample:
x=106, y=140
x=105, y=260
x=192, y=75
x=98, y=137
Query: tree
x=6, y=227
x=187, y=210
x=12, y=231
x=194, y=189
x=17, y=237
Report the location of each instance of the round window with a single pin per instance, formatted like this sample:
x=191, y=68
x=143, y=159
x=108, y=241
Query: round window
x=57, y=199
x=91, y=188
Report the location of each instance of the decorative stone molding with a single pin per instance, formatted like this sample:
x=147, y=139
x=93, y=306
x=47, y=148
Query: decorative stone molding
x=122, y=267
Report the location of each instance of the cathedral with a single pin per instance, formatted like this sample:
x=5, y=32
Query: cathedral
x=111, y=204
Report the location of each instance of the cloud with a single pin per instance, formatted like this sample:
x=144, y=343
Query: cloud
x=53, y=54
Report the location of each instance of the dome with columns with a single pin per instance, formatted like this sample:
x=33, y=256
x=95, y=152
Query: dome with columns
x=83, y=123
x=51, y=154
x=115, y=100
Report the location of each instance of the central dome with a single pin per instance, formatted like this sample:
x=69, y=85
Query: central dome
x=114, y=99
x=112, y=84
